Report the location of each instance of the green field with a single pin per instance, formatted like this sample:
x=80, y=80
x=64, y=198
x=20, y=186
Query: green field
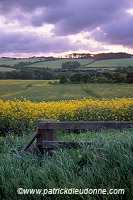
x=42, y=63
x=125, y=62
x=57, y=63
x=41, y=90
x=6, y=69
x=86, y=63
x=12, y=62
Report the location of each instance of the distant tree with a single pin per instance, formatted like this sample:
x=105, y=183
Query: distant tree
x=70, y=65
x=107, y=74
x=129, y=78
x=118, y=77
x=79, y=78
x=63, y=79
x=85, y=78
x=102, y=56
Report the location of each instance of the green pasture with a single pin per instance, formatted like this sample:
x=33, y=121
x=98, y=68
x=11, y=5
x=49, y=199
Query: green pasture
x=6, y=69
x=86, y=63
x=42, y=90
x=112, y=63
x=12, y=62
x=41, y=62
x=57, y=63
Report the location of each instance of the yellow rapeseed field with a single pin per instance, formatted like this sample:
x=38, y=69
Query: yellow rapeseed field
x=18, y=112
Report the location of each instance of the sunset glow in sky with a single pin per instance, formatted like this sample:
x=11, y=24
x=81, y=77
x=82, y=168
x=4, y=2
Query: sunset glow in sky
x=59, y=27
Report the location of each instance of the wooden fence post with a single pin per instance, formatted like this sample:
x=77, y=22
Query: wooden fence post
x=46, y=135
x=47, y=138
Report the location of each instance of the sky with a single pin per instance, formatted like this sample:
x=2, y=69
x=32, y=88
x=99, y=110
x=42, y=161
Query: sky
x=59, y=27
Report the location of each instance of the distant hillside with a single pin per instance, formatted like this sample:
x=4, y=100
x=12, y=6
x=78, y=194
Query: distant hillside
x=41, y=62
x=111, y=63
x=56, y=63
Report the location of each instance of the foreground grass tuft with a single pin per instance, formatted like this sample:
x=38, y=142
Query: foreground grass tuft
x=107, y=163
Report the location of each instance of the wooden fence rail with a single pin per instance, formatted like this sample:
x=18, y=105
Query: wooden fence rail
x=46, y=134
x=82, y=125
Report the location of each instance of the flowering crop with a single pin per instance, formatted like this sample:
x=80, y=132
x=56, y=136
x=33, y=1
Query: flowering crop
x=24, y=113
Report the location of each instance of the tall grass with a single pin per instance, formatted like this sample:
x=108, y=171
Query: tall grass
x=107, y=163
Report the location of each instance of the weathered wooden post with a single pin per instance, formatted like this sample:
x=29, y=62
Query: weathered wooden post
x=47, y=138
x=46, y=135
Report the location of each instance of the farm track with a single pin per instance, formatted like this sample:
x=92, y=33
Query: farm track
x=90, y=92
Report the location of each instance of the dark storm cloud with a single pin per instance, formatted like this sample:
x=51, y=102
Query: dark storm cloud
x=32, y=43
x=68, y=17
x=119, y=32
x=26, y=5
x=79, y=15
x=85, y=15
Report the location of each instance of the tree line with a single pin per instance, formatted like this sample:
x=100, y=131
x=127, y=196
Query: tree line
x=119, y=75
x=30, y=74
x=100, y=56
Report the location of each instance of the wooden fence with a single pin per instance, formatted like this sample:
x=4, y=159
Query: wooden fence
x=46, y=133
